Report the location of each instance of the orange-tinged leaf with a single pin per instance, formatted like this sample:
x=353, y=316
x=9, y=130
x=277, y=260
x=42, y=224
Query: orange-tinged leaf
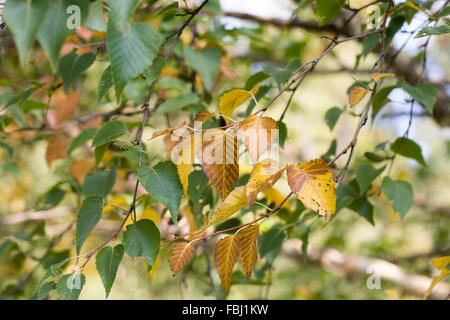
x=235, y=201
x=378, y=75
x=66, y=105
x=258, y=134
x=220, y=159
x=225, y=257
x=56, y=149
x=234, y=98
x=180, y=255
x=263, y=176
x=248, y=240
x=441, y=262
x=80, y=168
x=203, y=116
x=314, y=185
x=166, y=131
x=356, y=95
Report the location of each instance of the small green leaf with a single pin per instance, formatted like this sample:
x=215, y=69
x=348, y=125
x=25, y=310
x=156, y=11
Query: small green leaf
x=364, y=208
x=107, y=261
x=205, y=62
x=198, y=182
x=408, y=148
x=44, y=290
x=70, y=285
x=400, y=193
x=332, y=116
x=131, y=50
x=121, y=11
x=99, y=183
x=89, y=215
x=270, y=243
x=327, y=10
x=106, y=82
x=425, y=93
x=365, y=174
x=23, y=19
x=433, y=31
x=380, y=99
x=108, y=132
x=152, y=73
x=81, y=139
x=282, y=133
x=96, y=18
x=163, y=184
x=178, y=103
x=72, y=66
x=31, y=105
x=142, y=239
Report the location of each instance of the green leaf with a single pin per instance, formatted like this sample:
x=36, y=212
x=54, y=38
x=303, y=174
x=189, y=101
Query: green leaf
x=142, y=239
x=327, y=10
x=99, y=183
x=72, y=66
x=23, y=19
x=121, y=11
x=206, y=62
x=108, y=132
x=31, y=105
x=178, y=103
x=425, y=93
x=282, y=133
x=365, y=174
x=81, y=139
x=163, y=184
x=107, y=261
x=44, y=290
x=332, y=116
x=364, y=208
x=280, y=75
x=380, y=99
x=54, y=30
x=152, y=73
x=131, y=50
x=254, y=79
x=408, y=148
x=96, y=19
x=89, y=215
x=197, y=184
x=99, y=152
x=70, y=285
x=270, y=243
x=400, y=193
x=442, y=13
x=433, y=31
x=106, y=82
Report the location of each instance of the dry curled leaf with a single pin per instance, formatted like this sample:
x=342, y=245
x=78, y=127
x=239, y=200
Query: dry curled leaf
x=378, y=75
x=180, y=255
x=248, y=241
x=263, y=176
x=233, y=99
x=356, y=95
x=258, y=134
x=314, y=185
x=220, y=159
x=225, y=257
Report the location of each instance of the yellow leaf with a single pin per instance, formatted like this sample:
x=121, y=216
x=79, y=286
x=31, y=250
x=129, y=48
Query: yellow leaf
x=263, y=176
x=181, y=254
x=442, y=275
x=313, y=182
x=441, y=262
x=258, y=134
x=235, y=201
x=185, y=161
x=203, y=116
x=150, y=214
x=115, y=201
x=187, y=212
x=233, y=99
x=220, y=159
x=378, y=75
x=392, y=293
x=414, y=6
x=167, y=131
x=225, y=257
x=248, y=241
x=273, y=195
x=356, y=95
x=80, y=168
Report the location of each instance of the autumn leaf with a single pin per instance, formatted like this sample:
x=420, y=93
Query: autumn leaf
x=258, y=134
x=263, y=176
x=235, y=201
x=66, y=105
x=166, y=131
x=56, y=149
x=186, y=156
x=356, y=95
x=180, y=255
x=273, y=195
x=80, y=168
x=314, y=185
x=379, y=75
x=225, y=257
x=203, y=116
x=220, y=159
x=248, y=241
x=441, y=262
x=233, y=99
